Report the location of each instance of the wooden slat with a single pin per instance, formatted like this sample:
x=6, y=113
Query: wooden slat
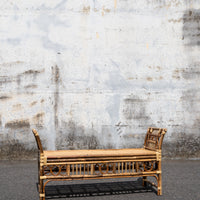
x=104, y=175
x=153, y=149
x=73, y=169
x=88, y=168
x=102, y=158
x=114, y=167
x=152, y=141
x=76, y=169
x=92, y=169
x=80, y=168
x=68, y=170
x=96, y=162
x=151, y=134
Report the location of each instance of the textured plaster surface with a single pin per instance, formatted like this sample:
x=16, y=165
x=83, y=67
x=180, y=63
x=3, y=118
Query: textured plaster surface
x=97, y=74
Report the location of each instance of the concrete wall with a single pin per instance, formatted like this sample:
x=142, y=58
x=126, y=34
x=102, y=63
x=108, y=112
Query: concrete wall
x=98, y=73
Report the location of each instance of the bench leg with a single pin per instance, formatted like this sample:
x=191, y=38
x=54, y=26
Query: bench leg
x=159, y=192
x=42, y=190
x=144, y=183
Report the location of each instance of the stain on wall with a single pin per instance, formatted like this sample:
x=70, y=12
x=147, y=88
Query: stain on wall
x=18, y=124
x=5, y=80
x=32, y=72
x=56, y=82
x=73, y=136
x=31, y=86
x=192, y=71
x=191, y=27
x=135, y=109
x=4, y=97
x=0, y=121
x=13, y=149
x=185, y=146
x=38, y=119
x=17, y=107
x=86, y=10
x=33, y=103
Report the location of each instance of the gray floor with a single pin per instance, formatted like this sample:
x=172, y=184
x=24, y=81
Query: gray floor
x=181, y=180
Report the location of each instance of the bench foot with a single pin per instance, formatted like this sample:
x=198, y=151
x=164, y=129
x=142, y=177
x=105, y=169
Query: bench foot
x=159, y=192
x=41, y=190
x=42, y=196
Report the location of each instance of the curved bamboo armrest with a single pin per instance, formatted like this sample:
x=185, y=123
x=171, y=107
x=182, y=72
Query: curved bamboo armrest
x=38, y=141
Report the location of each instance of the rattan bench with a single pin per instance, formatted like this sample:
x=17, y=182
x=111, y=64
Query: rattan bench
x=102, y=163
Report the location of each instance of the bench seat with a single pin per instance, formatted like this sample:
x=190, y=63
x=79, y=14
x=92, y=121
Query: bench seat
x=96, y=153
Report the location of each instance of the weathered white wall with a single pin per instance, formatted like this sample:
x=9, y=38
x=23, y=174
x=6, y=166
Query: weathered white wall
x=98, y=73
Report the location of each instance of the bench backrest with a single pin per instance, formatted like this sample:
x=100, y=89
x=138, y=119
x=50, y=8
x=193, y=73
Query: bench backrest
x=38, y=141
x=154, y=138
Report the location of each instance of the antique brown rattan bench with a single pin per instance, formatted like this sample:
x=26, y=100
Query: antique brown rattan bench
x=102, y=163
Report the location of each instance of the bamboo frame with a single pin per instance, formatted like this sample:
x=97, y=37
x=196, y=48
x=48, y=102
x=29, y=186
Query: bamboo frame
x=101, y=164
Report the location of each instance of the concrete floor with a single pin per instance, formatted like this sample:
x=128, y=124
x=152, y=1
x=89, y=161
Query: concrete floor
x=181, y=180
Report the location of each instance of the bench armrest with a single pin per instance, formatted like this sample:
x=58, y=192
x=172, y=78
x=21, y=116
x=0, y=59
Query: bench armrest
x=154, y=138
x=38, y=141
